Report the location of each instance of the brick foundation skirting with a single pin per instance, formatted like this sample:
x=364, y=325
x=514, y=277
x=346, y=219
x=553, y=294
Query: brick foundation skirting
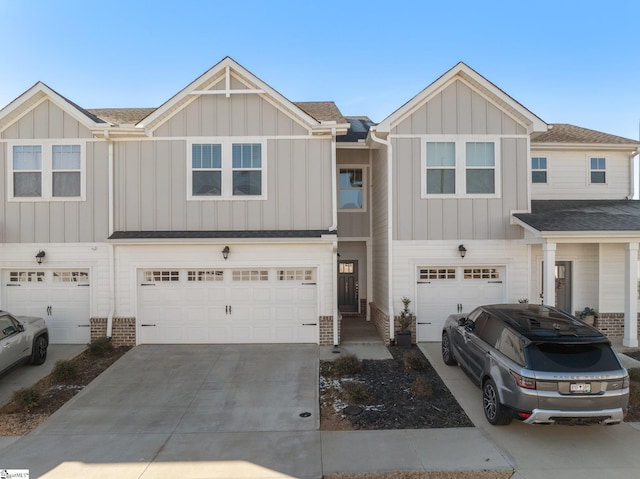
x=326, y=330
x=123, y=331
x=381, y=321
x=612, y=324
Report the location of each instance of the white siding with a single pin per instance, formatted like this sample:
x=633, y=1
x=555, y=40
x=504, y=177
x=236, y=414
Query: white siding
x=568, y=176
x=130, y=258
x=408, y=255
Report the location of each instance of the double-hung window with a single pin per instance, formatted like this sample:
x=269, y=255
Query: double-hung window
x=226, y=170
x=598, y=170
x=46, y=171
x=460, y=167
x=351, y=189
x=538, y=169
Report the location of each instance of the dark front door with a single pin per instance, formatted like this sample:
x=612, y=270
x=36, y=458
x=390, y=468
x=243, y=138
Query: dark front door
x=348, y=286
x=563, y=286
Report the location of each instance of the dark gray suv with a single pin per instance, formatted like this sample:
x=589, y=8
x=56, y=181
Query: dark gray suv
x=537, y=364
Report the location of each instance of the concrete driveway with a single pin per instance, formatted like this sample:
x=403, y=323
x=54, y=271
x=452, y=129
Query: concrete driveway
x=543, y=452
x=166, y=411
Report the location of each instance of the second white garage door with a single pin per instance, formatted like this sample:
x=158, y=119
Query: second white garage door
x=447, y=290
x=262, y=305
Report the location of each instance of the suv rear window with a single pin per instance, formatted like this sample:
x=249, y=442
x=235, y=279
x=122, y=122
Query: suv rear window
x=572, y=357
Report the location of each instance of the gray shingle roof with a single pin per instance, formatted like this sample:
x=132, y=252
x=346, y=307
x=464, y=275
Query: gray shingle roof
x=121, y=116
x=358, y=129
x=128, y=235
x=322, y=110
x=565, y=133
x=583, y=215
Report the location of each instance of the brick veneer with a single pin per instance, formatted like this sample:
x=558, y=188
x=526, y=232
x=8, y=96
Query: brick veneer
x=326, y=330
x=123, y=331
x=612, y=324
x=381, y=321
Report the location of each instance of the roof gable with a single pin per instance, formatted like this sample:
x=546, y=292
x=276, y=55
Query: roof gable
x=478, y=83
x=229, y=78
x=39, y=93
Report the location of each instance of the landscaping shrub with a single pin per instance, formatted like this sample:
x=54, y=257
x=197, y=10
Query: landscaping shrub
x=64, y=370
x=421, y=388
x=355, y=392
x=100, y=347
x=414, y=361
x=27, y=398
x=347, y=365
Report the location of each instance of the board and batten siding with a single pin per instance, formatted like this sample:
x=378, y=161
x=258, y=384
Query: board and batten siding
x=355, y=224
x=67, y=221
x=238, y=115
x=151, y=190
x=380, y=222
x=568, y=176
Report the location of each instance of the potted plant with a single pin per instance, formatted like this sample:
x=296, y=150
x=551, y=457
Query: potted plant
x=403, y=337
x=588, y=315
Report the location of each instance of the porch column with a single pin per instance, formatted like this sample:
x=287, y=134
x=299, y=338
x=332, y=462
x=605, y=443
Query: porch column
x=549, y=274
x=630, y=338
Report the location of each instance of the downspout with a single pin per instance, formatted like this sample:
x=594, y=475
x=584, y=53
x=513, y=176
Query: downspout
x=112, y=281
x=632, y=177
x=334, y=227
x=387, y=143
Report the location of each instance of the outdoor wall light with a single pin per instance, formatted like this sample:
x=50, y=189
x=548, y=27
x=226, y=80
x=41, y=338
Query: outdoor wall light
x=40, y=256
x=462, y=250
x=225, y=252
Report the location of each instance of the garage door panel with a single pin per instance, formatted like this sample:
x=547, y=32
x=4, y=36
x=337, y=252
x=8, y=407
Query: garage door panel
x=442, y=291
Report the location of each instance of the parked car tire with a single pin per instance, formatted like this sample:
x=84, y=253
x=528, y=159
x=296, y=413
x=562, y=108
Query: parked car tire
x=494, y=411
x=39, y=353
x=447, y=353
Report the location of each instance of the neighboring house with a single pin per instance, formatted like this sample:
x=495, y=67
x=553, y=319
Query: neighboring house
x=230, y=214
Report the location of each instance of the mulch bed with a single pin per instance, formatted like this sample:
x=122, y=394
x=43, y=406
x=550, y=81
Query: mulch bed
x=395, y=400
x=16, y=421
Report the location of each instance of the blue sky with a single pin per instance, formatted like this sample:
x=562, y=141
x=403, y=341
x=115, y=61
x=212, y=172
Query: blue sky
x=567, y=61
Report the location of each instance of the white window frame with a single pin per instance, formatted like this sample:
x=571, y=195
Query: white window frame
x=227, y=169
x=47, y=170
x=460, y=142
x=365, y=174
x=597, y=170
x=545, y=170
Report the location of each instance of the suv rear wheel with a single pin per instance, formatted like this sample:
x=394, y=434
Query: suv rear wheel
x=494, y=411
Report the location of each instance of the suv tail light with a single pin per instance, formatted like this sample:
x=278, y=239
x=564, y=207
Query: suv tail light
x=523, y=381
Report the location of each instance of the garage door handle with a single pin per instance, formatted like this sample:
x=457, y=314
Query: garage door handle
x=84, y=325
x=148, y=284
x=308, y=284
x=84, y=284
x=494, y=282
x=309, y=324
x=424, y=282
x=13, y=284
x=143, y=325
x=424, y=323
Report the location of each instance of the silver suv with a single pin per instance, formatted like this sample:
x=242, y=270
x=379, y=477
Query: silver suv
x=537, y=364
x=22, y=338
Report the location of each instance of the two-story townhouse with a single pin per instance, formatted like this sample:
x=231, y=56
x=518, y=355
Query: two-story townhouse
x=209, y=219
x=231, y=214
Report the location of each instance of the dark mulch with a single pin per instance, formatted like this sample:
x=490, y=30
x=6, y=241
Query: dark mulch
x=394, y=401
x=633, y=354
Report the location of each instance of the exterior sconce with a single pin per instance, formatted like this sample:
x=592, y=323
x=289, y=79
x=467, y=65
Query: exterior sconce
x=462, y=250
x=40, y=256
x=225, y=252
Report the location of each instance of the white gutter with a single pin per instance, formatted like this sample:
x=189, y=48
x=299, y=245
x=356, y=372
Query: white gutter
x=387, y=143
x=334, y=227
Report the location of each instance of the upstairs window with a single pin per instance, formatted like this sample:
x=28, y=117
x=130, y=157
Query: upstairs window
x=460, y=168
x=225, y=170
x=46, y=171
x=351, y=189
x=538, y=170
x=598, y=170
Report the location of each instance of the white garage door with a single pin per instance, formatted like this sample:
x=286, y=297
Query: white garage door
x=265, y=305
x=61, y=297
x=446, y=290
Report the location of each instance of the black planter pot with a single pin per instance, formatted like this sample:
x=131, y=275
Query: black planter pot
x=403, y=340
